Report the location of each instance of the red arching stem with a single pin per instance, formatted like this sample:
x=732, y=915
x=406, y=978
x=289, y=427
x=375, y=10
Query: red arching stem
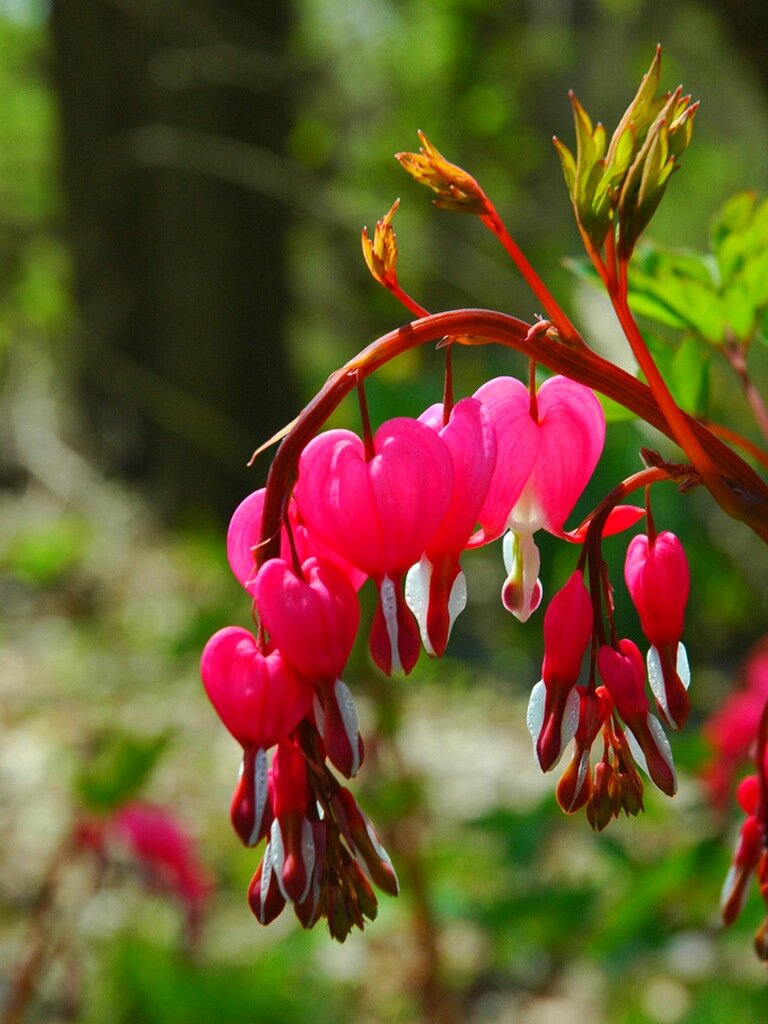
x=533, y=405
x=365, y=419
x=477, y=326
x=448, y=385
x=650, y=526
x=675, y=417
x=551, y=307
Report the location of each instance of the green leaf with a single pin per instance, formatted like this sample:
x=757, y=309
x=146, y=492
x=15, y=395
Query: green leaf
x=689, y=376
x=117, y=768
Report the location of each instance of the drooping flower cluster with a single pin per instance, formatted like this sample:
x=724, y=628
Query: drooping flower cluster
x=561, y=710
x=400, y=507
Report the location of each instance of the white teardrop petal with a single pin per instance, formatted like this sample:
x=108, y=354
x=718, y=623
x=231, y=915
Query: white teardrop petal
x=656, y=681
x=417, y=597
x=457, y=601
x=260, y=791
x=389, y=610
x=346, y=705
x=682, y=667
x=534, y=718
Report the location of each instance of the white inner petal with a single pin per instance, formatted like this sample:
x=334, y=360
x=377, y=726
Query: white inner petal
x=662, y=744
x=570, y=720
x=534, y=717
x=388, y=597
x=278, y=857
x=417, y=597
x=307, y=855
x=683, y=668
x=266, y=877
x=260, y=790
x=457, y=601
x=581, y=777
x=656, y=680
x=349, y=720
x=637, y=752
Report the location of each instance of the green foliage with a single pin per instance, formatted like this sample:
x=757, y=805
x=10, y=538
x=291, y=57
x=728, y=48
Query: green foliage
x=719, y=296
x=149, y=983
x=622, y=182
x=41, y=556
x=116, y=768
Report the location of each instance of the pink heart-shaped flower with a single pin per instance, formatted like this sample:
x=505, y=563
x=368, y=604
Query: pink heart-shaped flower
x=259, y=697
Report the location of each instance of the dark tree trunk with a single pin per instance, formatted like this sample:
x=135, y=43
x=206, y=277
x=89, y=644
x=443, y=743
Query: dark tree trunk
x=747, y=23
x=181, y=273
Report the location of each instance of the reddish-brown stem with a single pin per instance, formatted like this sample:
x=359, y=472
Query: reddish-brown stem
x=448, y=384
x=650, y=526
x=405, y=299
x=549, y=304
x=533, y=405
x=365, y=419
x=678, y=422
x=475, y=326
x=736, y=355
x=599, y=583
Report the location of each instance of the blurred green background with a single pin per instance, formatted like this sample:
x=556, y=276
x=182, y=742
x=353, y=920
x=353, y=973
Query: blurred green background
x=182, y=187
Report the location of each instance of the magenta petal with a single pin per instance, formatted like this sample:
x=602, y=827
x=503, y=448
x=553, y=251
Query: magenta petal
x=470, y=439
x=571, y=428
x=245, y=531
x=313, y=621
x=620, y=518
x=507, y=402
x=243, y=535
x=335, y=498
x=381, y=514
x=258, y=697
x=658, y=581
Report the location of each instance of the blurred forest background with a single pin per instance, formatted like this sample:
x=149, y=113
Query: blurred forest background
x=182, y=187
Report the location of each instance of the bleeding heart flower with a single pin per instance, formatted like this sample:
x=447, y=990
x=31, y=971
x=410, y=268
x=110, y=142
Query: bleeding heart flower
x=542, y=466
x=554, y=707
x=435, y=588
x=243, y=537
x=380, y=515
x=623, y=673
x=259, y=697
x=658, y=581
x=311, y=619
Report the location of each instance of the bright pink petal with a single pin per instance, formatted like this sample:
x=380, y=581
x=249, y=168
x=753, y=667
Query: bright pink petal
x=245, y=531
x=507, y=402
x=571, y=428
x=379, y=515
x=258, y=697
x=470, y=439
x=620, y=518
x=314, y=620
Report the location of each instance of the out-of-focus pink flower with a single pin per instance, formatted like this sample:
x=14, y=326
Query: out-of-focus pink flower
x=658, y=580
x=731, y=730
x=435, y=589
x=155, y=840
x=380, y=515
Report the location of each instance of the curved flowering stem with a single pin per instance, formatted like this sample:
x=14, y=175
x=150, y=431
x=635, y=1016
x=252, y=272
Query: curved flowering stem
x=674, y=415
x=747, y=493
